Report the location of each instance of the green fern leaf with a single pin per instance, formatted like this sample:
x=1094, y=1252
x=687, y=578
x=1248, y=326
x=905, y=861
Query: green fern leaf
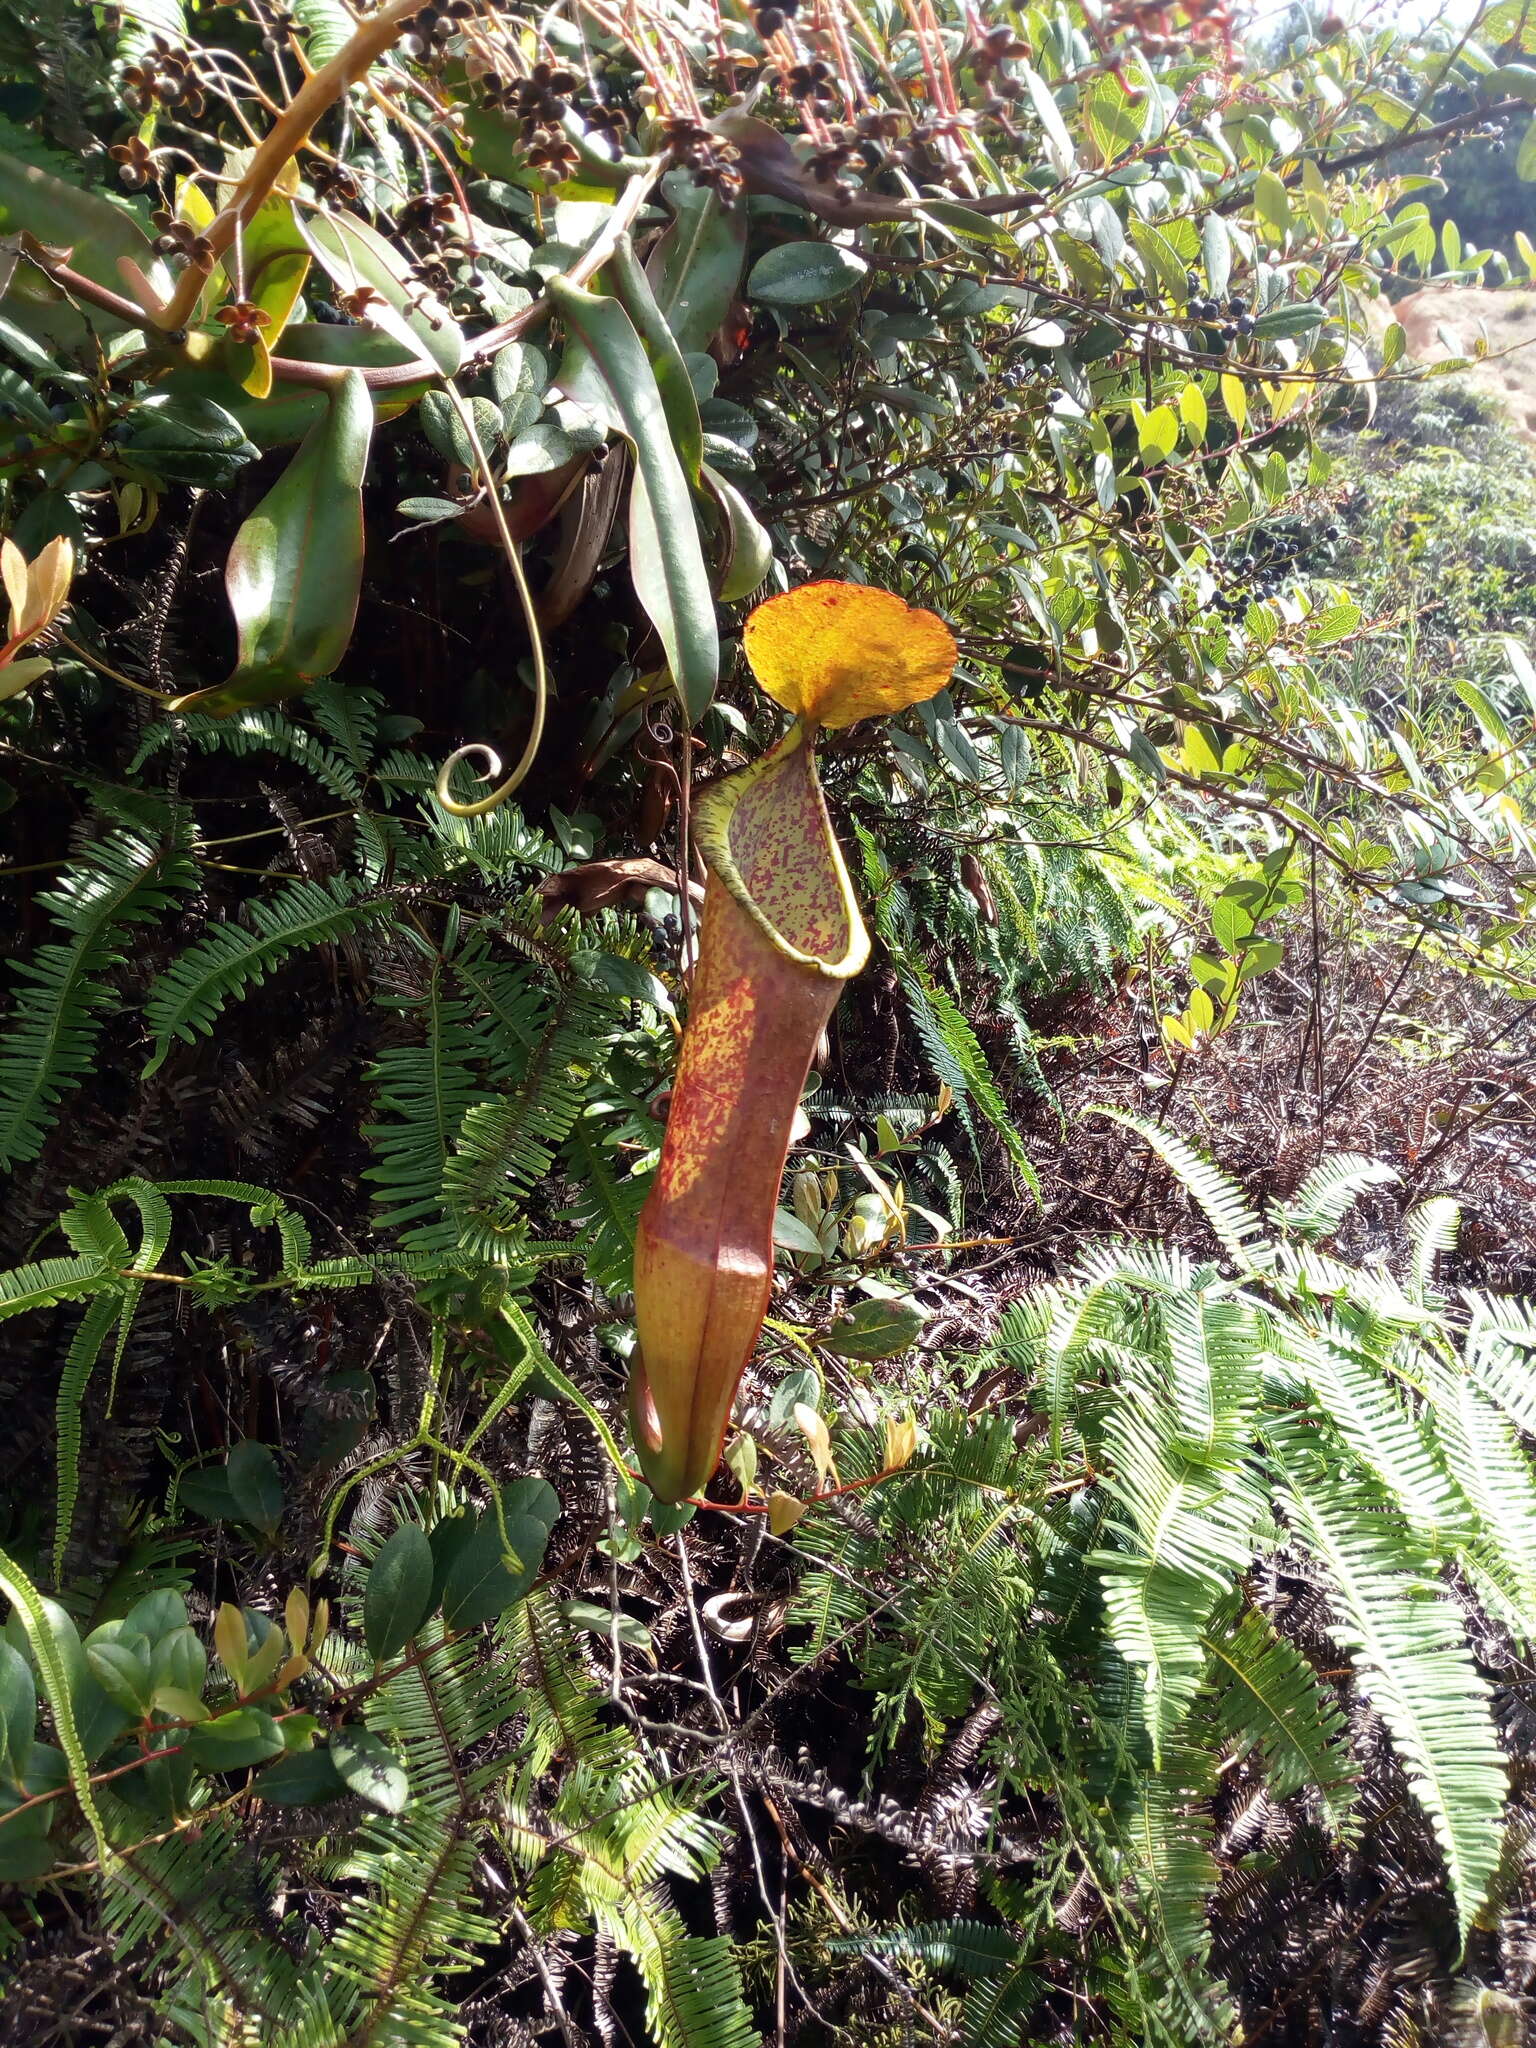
x=1269, y=1698
x=1411, y=1654
x=1218, y=1198
x=607, y=1208
x=95, y=1327
x=1330, y=1191
x=1433, y=1228
x=123, y=880
x=426, y=1090
x=234, y=958
x=47, y=1281
x=955, y=1054
x=1167, y=1831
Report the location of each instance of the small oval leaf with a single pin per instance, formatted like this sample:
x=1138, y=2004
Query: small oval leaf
x=805, y=274
x=369, y=1769
x=399, y=1593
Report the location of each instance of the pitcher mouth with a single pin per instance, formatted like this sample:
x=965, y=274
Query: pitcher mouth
x=740, y=838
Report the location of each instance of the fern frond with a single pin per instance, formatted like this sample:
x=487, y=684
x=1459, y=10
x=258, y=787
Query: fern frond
x=1178, y=1465
x=267, y=1209
x=607, y=1207
x=121, y=881
x=505, y=1146
x=962, y=1948
x=1167, y=1831
x=1330, y=1191
x=1433, y=1228
x=187, y=1899
x=403, y=1939
x=95, y=1327
x=426, y=1089
x=986, y=1958
x=348, y=716
x=1270, y=1699
x=1501, y=1355
x=233, y=958
x=1387, y=1438
x=1217, y=1197
x=955, y=1054
x=47, y=1281
x=254, y=731
x=1410, y=1652
x=1490, y=1465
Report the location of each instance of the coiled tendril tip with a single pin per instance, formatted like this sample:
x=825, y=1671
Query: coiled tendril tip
x=477, y=750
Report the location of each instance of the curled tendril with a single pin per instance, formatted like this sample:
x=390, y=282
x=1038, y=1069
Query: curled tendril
x=478, y=749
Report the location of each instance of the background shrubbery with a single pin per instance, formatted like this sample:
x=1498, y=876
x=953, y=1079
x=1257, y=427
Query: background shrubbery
x=1153, y=1665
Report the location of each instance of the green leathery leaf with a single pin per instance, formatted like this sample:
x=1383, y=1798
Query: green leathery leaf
x=670, y=575
x=479, y=1582
x=276, y=263
x=95, y=230
x=749, y=554
x=1216, y=245
x=1289, y=323
x=976, y=227
x=805, y=274
x=369, y=1769
x=256, y=1484
x=678, y=398
x=876, y=1329
x=18, y=1708
x=297, y=563
x=695, y=268
x=355, y=256
x=306, y=1777
x=235, y=1741
x=282, y=420
x=399, y=1592
x=1511, y=81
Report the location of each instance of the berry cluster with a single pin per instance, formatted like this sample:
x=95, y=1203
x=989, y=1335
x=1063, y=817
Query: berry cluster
x=163, y=77
x=712, y=160
x=1233, y=320
x=1267, y=565
x=435, y=25
x=771, y=17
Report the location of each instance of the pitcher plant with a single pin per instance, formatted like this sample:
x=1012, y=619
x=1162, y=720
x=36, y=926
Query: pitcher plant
x=779, y=936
